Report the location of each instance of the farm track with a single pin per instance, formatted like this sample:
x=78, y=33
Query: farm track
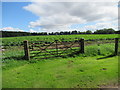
x=112, y=86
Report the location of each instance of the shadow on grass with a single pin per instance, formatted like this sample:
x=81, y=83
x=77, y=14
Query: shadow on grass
x=15, y=58
x=71, y=54
x=109, y=56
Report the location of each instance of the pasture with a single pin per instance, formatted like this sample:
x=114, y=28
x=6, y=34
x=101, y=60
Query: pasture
x=96, y=68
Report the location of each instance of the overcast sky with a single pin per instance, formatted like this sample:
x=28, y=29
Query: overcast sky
x=59, y=16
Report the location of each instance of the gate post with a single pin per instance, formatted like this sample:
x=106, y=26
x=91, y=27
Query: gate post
x=26, y=50
x=56, y=41
x=82, y=45
x=116, y=46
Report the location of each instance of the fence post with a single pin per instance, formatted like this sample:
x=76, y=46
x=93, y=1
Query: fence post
x=26, y=50
x=116, y=46
x=56, y=46
x=82, y=46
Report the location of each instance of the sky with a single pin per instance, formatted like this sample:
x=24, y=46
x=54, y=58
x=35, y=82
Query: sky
x=58, y=16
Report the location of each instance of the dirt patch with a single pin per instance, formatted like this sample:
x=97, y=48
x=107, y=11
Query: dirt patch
x=103, y=69
x=110, y=86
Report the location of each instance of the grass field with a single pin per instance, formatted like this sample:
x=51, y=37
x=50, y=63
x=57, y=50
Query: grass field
x=89, y=70
x=62, y=73
x=19, y=40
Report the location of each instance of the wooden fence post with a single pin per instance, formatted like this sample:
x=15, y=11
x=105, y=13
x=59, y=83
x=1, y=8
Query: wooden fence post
x=82, y=46
x=26, y=50
x=116, y=46
x=56, y=46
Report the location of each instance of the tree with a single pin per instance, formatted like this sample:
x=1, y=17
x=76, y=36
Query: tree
x=74, y=32
x=88, y=32
x=105, y=31
x=110, y=31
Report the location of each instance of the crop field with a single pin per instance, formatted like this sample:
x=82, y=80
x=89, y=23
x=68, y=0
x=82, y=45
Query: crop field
x=11, y=41
x=97, y=67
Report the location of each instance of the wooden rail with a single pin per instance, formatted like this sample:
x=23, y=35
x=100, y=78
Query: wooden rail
x=57, y=47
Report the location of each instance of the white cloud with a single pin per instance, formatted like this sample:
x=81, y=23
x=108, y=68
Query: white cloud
x=59, y=0
x=10, y=29
x=102, y=25
x=56, y=16
x=75, y=0
x=31, y=30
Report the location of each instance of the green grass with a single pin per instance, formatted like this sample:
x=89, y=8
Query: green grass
x=81, y=71
x=62, y=73
x=19, y=40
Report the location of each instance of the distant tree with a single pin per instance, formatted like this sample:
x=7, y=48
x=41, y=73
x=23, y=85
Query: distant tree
x=83, y=32
x=88, y=32
x=74, y=32
x=117, y=32
x=105, y=31
x=17, y=33
x=110, y=31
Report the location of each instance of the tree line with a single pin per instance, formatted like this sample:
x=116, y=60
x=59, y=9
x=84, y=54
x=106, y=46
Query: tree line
x=17, y=33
